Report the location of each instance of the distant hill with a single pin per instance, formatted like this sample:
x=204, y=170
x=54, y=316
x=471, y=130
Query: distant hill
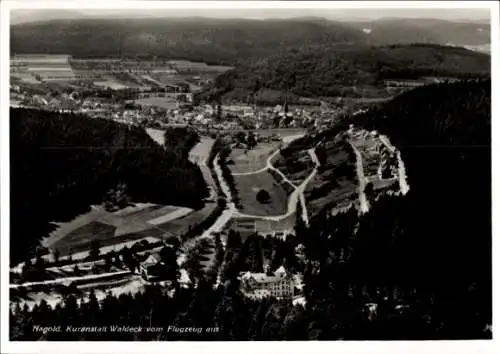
x=26, y=16
x=199, y=39
x=224, y=40
x=353, y=71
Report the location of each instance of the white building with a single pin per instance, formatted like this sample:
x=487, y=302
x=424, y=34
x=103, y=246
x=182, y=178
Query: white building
x=280, y=284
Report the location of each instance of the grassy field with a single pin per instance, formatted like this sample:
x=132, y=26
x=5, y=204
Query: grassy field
x=295, y=167
x=181, y=225
x=112, y=84
x=249, y=226
x=339, y=195
x=162, y=102
x=157, y=135
x=251, y=160
x=282, y=132
x=200, y=152
x=249, y=185
x=129, y=224
x=285, y=184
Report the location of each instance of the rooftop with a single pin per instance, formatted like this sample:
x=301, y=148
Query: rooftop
x=279, y=274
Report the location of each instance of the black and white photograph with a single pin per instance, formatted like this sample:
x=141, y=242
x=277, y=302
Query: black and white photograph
x=254, y=171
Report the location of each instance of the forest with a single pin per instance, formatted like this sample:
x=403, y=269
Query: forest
x=63, y=163
x=413, y=267
x=348, y=70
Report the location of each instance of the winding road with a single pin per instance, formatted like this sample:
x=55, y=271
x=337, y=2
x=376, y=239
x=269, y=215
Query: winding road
x=297, y=194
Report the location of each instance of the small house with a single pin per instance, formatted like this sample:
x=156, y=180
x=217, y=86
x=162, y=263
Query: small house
x=152, y=268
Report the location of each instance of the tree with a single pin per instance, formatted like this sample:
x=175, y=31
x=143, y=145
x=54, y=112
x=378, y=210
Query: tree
x=76, y=270
x=263, y=196
x=56, y=255
x=233, y=239
x=251, y=140
x=95, y=249
x=169, y=259
x=241, y=137
x=369, y=191
x=40, y=266
x=108, y=262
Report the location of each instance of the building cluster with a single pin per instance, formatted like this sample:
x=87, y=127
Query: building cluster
x=128, y=91
x=279, y=284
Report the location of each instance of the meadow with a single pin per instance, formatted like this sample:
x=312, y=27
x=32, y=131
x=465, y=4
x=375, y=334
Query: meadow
x=249, y=185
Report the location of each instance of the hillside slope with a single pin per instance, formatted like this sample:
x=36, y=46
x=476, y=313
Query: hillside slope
x=425, y=255
x=439, y=235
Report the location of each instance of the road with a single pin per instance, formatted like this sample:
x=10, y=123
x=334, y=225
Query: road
x=314, y=158
x=222, y=220
x=297, y=194
x=149, y=78
x=263, y=169
x=362, y=180
x=286, y=140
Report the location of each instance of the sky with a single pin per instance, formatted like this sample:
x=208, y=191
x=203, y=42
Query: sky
x=332, y=14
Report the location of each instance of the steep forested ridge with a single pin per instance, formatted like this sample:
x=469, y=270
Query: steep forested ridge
x=63, y=163
x=441, y=230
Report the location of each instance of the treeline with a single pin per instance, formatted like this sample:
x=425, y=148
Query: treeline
x=63, y=163
x=216, y=148
x=199, y=228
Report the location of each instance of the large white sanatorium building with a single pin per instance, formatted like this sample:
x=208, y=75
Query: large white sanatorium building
x=280, y=284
